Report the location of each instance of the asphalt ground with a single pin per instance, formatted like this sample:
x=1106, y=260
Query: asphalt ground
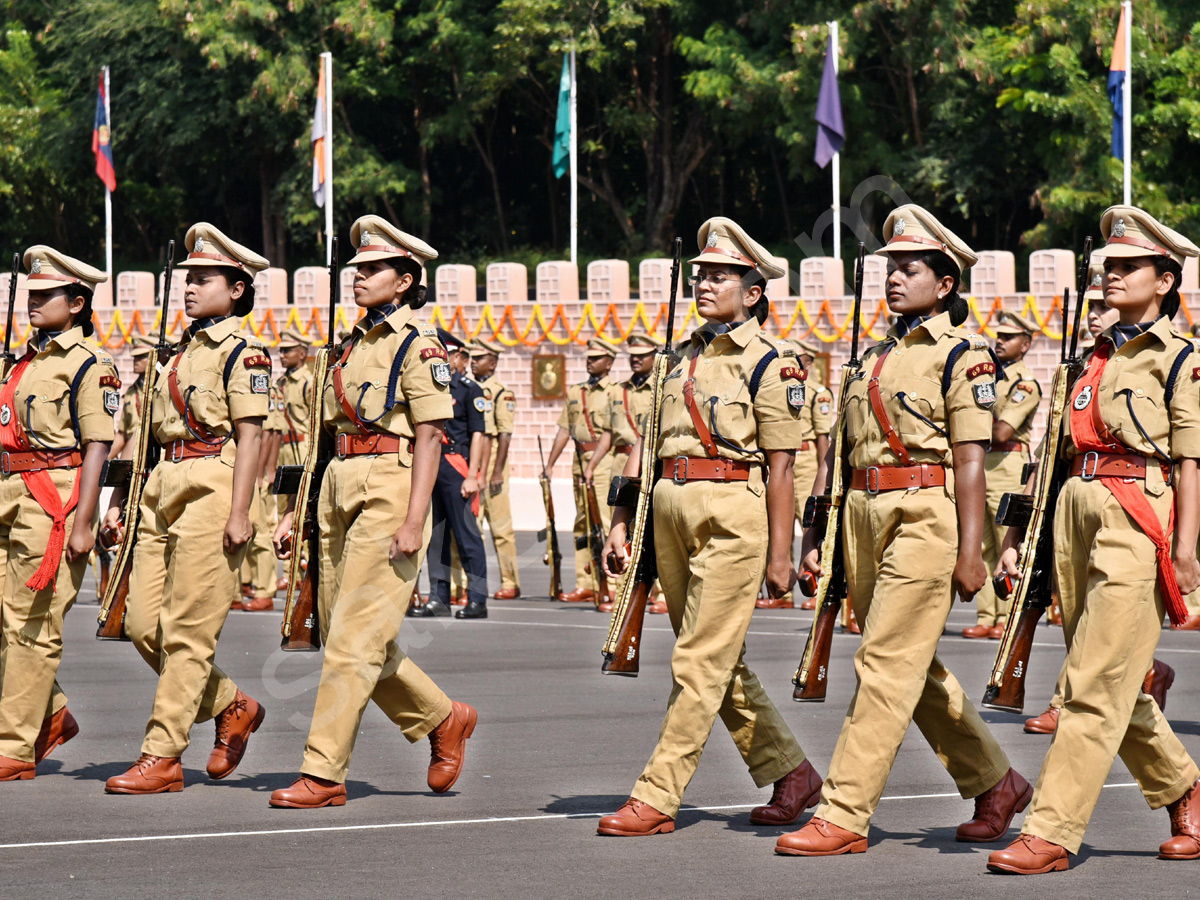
x=557, y=746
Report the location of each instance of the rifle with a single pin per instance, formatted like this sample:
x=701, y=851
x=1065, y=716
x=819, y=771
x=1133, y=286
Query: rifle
x=824, y=514
x=623, y=646
x=133, y=473
x=1031, y=593
x=553, y=557
x=301, y=627
x=596, y=542
x=9, y=357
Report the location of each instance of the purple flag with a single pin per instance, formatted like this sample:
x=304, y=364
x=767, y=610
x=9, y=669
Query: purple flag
x=831, y=134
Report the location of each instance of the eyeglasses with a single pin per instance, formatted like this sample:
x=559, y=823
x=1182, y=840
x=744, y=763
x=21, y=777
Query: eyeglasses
x=718, y=280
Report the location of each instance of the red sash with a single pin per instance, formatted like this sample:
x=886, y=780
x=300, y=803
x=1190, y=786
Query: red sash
x=1089, y=433
x=39, y=482
x=460, y=466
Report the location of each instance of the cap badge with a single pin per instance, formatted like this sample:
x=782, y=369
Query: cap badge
x=199, y=246
x=1119, y=229
x=366, y=239
x=1097, y=280
x=36, y=268
x=712, y=240
x=899, y=229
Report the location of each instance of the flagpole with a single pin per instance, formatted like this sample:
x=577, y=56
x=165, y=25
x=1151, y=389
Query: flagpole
x=837, y=159
x=108, y=226
x=574, y=120
x=1127, y=103
x=327, y=62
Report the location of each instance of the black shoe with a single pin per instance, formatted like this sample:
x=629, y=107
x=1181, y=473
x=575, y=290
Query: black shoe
x=473, y=610
x=433, y=609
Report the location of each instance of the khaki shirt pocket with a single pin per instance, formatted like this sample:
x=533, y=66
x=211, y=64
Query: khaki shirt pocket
x=367, y=392
x=1135, y=404
x=917, y=405
x=47, y=415
x=209, y=407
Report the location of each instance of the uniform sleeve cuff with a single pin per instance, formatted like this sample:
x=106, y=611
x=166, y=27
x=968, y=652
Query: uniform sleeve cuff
x=431, y=409
x=248, y=406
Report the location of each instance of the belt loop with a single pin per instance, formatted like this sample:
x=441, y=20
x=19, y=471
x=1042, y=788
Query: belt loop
x=1094, y=457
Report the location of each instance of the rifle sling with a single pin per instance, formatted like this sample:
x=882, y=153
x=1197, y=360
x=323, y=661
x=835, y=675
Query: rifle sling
x=877, y=407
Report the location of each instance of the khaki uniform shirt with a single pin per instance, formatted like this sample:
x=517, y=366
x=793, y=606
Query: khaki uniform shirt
x=294, y=402
x=422, y=391
x=1017, y=399
x=43, y=395
x=275, y=421
x=741, y=426
x=1132, y=392
x=911, y=391
x=130, y=419
x=597, y=399
x=501, y=406
x=214, y=404
x=817, y=415
x=631, y=403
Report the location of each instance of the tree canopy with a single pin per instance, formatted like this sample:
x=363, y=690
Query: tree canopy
x=992, y=113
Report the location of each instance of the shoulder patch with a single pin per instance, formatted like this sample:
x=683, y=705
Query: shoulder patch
x=1196, y=374
x=793, y=372
x=985, y=394
x=987, y=368
x=481, y=404
x=433, y=353
x=112, y=401
x=441, y=372
x=110, y=381
x=255, y=360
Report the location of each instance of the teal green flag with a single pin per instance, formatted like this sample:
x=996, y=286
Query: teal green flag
x=562, y=124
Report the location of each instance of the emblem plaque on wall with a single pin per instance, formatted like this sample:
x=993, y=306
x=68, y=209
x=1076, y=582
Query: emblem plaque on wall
x=549, y=377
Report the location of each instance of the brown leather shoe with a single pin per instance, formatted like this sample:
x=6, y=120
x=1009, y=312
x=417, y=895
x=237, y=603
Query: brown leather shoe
x=995, y=808
x=258, y=604
x=448, y=746
x=458, y=599
x=1158, y=681
x=1046, y=723
x=820, y=838
x=795, y=792
x=809, y=603
x=56, y=730
x=995, y=632
x=774, y=603
x=579, y=595
x=605, y=606
x=16, y=769
x=658, y=607
x=149, y=775
x=235, y=724
x=236, y=605
x=308, y=792
x=852, y=627
x=635, y=819
x=507, y=594
x=977, y=632
x=281, y=585
x=1029, y=855
x=1054, y=616
x=247, y=590
x=1184, y=842
x=1192, y=623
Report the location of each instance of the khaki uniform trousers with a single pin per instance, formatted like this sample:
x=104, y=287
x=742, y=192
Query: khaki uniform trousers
x=900, y=548
x=804, y=471
x=1003, y=471
x=260, y=568
x=711, y=548
x=31, y=624
x=498, y=512
x=1112, y=619
x=179, y=591
x=363, y=599
x=601, y=478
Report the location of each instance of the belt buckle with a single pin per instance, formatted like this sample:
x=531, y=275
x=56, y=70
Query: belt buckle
x=872, y=479
x=4, y=461
x=680, y=462
x=342, y=443
x=1094, y=458
x=176, y=451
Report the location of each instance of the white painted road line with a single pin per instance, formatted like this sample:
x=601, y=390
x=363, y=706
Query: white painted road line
x=134, y=839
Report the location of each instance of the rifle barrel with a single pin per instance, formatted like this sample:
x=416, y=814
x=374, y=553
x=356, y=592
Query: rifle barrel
x=676, y=257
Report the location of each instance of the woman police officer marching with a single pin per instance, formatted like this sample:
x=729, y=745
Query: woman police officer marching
x=207, y=414
x=918, y=427
x=1133, y=445
x=730, y=415
x=384, y=406
x=56, y=426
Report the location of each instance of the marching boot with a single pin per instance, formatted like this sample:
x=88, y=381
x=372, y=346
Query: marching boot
x=16, y=769
x=511, y=593
x=775, y=603
x=1192, y=623
x=635, y=819
x=658, y=606
x=1054, y=617
x=820, y=838
x=995, y=632
x=235, y=724
x=810, y=603
x=795, y=792
x=259, y=604
x=307, y=792
x=433, y=609
x=579, y=595
x=852, y=627
x=56, y=730
x=1184, y=842
x=448, y=746
x=995, y=808
x=1046, y=723
x=149, y=775
x=475, y=609
x=977, y=632
x=1158, y=681
x=1029, y=855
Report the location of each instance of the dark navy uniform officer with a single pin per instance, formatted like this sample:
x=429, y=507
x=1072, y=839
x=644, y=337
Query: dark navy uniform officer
x=456, y=493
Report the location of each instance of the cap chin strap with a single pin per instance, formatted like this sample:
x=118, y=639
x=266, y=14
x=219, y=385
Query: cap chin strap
x=733, y=254
x=221, y=258
x=385, y=248
x=917, y=239
x=1144, y=244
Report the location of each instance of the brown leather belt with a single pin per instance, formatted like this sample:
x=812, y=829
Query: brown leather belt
x=35, y=460
x=626, y=450
x=177, y=451
x=1009, y=447
x=1112, y=465
x=368, y=444
x=879, y=479
x=805, y=446
x=293, y=439
x=587, y=446
x=681, y=469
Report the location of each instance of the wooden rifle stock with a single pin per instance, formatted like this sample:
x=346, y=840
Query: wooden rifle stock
x=1009, y=694
x=627, y=647
x=553, y=555
x=596, y=541
x=812, y=690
